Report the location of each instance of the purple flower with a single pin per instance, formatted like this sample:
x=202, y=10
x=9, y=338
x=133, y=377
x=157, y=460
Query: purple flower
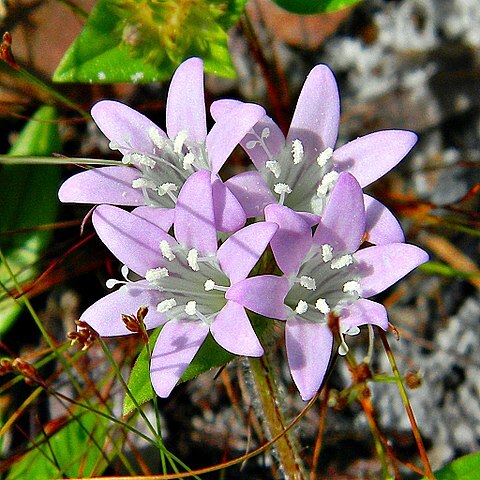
x=300, y=171
x=183, y=282
x=163, y=162
x=327, y=273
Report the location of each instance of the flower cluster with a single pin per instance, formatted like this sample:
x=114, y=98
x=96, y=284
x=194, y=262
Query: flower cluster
x=305, y=200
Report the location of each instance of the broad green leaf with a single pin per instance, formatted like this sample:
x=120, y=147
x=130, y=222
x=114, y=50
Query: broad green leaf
x=464, y=468
x=28, y=198
x=138, y=41
x=68, y=453
x=312, y=7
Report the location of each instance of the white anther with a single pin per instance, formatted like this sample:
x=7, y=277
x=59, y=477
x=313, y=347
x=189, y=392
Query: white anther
x=155, y=274
x=274, y=167
x=143, y=183
x=297, y=151
x=141, y=159
x=125, y=270
x=209, y=285
x=324, y=157
x=166, y=188
x=166, y=305
x=302, y=307
x=179, y=141
x=252, y=144
x=327, y=252
x=343, y=348
x=352, y=331
x=328, y=181
x=341, y=262
x=155, y=136
x=322, y=306
x=191, y=307
x=192, y=259
x=281, y=188
x=166, y=250
x=265, y=132
x=111, y=282
x=114, y=145
x=188, y=160
x=308, y=282
x=352, y=287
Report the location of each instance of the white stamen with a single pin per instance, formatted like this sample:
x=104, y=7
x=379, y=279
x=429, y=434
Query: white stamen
x=343, y=348
x=308, y=282
x=166, y=305
x=166, y=250
x=114, y=145
x=297, y=151
x=324, y=157
x=328, y=181
x=141, y=159
x=340, y=262
x=155, y=274
x=281, y=188
x=111, y=282
x=327, y=252
x=188, y=160
x=265, y=132
x=352, y=287
x=165, y=188
x=125, y=271
x=191, y=307
x=143, y=183
x=274, y=167
x=322, y=306
x=352, y=331
x=192, y=259
x=302, y=307
x=155, y=136
x=179, y=141
x=209, y=285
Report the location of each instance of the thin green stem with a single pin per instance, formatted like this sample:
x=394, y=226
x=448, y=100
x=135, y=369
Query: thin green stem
x=32, y=160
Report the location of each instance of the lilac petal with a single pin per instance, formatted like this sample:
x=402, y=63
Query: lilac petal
x=186, y=102
x=220, y=108
x=382, y=265
x=293, y=239
x=176, y=346
x=264, y=295
x=133, y=240
x=227, y=133
x=373, y=155
x=343, y=223
x=232, y=330
x=240, y=252
x=161, y=217
x=364, y=312
x=103, y=185
x=124, y=125
x=381, y=225
x=229, y=214
x=194, y=214
x=251, y=191
x=105, y=315
x=317, y=114
x=309, y=347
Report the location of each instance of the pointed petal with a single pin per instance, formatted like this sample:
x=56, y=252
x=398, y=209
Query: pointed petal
x=364, y=312
x=382, y=265
x=124, y=125
x=229, y=214
x=317, y=114
x=133, y=240
x=343, y=223
x=240, y=252
x=381, y=225
x=369, y=157
x=232, y=330
x=293, y=239
x=103, y=185
x=227, y=133
x=264, y=294
x=186, y=102
x=309, y=348
x=176, y=346
x=105, y=315
x=194, y=214
x=251, y=191
x=161, y=217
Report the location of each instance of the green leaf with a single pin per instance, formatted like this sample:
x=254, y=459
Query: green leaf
x=68, y=453
x=138, y=41
x=464, y=468
x=210, y=355
x=438, y=268
x=28, y=198
x=312, y=7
